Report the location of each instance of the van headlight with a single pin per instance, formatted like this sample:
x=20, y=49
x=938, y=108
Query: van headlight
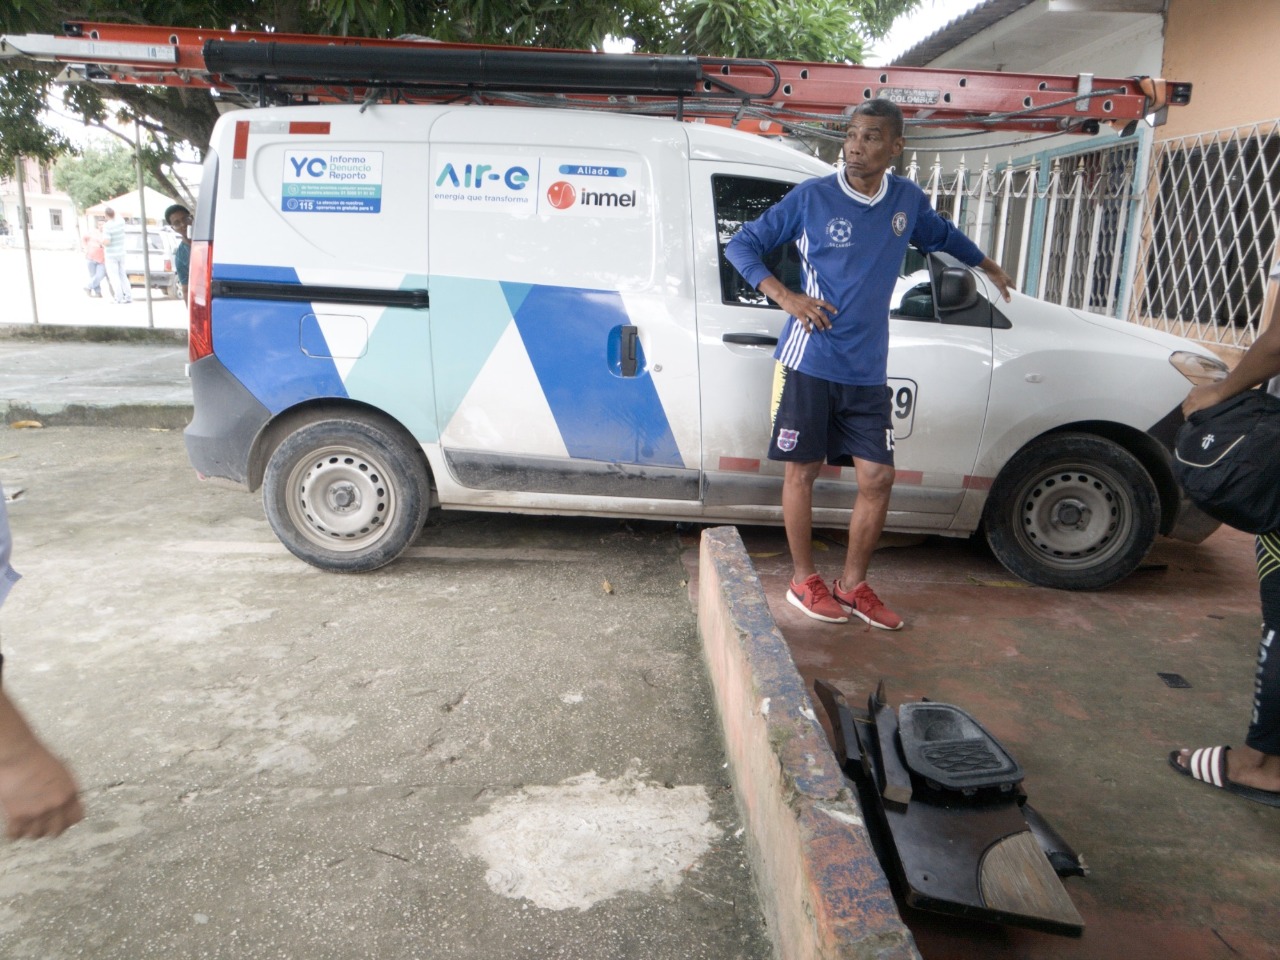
x=1198, y=368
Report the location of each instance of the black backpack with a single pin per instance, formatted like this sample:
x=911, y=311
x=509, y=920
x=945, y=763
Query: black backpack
x=1227, y=459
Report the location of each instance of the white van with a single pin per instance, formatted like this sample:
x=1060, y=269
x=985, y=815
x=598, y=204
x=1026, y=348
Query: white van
x=529, y=310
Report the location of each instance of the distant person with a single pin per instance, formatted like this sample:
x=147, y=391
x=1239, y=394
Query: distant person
x=178, y=218
x=113, y=231
x=1251, y=771
x=95, y=258
x=38, y=795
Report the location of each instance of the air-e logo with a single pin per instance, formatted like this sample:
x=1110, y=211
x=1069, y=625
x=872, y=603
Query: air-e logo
x=315, y=166
x=476, y=176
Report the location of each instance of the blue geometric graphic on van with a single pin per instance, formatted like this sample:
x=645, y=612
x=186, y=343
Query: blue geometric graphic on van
x=601, y=416
x=515, y=294
x=258, y=341
x=565, y=331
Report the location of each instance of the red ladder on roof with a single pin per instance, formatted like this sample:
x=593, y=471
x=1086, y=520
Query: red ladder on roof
x=762, y=96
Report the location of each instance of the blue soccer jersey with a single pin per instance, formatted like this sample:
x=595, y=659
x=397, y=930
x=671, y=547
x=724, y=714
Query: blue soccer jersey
x=851, y=248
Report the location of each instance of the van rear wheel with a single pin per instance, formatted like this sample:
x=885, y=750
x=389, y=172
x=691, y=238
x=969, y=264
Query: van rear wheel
x=346, y=495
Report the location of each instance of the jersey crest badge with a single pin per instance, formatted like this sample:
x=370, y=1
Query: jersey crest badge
x=899, y=223
x=787, y=440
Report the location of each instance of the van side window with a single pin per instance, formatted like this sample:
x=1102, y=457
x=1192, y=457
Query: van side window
x=740, y=200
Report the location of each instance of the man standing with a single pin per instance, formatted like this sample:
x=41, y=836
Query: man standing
x=178, y=218
x=1251, y=771
x=852, y=230
x=113, y=231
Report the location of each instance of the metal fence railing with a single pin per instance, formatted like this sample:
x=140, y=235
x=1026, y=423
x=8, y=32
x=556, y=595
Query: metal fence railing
x=1184, y=246
x=1061, y=228
x=1209, y=234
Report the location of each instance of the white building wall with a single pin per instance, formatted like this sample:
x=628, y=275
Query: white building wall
x=53, y=215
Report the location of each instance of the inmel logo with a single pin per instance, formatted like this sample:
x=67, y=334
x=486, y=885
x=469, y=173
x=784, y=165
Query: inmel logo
x=562, y=195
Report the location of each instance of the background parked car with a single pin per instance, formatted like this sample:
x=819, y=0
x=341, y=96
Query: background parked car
x=161, y=242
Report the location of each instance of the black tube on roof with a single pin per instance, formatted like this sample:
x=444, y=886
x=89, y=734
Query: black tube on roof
x=510, y=70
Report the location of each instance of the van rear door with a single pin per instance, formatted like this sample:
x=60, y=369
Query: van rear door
x=319, y=268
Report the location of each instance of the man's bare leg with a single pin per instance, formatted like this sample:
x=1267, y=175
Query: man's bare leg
x=875, y=483
x=797, y=516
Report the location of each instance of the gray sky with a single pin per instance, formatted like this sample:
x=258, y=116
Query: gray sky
x=907, y=31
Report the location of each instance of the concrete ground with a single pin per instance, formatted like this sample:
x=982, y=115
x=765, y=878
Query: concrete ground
x=59, y=278
x=1069, y=683
x=502, y=745
x=278, y=763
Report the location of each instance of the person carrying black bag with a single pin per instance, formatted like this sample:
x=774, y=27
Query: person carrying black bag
x=1253, y=770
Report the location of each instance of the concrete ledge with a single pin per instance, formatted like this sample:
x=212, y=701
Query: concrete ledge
x=173, y=416
x=821, y=887
x=90, y=334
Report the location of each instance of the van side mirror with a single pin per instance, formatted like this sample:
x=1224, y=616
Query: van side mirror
x=957, y=290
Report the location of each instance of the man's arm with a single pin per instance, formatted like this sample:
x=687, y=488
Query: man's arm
x=1003, y=282
x=1260, y=362
x=37, y=793
x=932, y=232
x=38, y=797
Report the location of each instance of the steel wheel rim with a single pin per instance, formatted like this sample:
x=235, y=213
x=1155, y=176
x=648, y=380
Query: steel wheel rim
x=1074, y=515
x=340, y=499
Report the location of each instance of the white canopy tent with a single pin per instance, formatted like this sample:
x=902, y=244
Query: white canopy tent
x=128, y=206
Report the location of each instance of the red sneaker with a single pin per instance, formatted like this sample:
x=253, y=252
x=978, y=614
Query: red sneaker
x=862, y=602
x=814, y=600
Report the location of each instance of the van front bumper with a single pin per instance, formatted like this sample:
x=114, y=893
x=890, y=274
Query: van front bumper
x=227, y=420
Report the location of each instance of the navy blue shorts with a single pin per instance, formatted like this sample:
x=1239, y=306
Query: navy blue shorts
x=818, y=420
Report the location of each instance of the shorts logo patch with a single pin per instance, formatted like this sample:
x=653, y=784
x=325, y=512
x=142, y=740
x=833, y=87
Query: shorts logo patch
x=787, y=440
x=839, y=231
x=899, y=223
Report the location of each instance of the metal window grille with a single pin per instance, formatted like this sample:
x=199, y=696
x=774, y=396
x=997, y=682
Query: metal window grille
x=1062, y=235
x=1210, y=234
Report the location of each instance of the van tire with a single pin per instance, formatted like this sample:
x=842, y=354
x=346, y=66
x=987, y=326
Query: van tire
x=1072, y=511
x=347, y=495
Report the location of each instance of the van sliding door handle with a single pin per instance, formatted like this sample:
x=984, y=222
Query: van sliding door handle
x=751, y=339
x=630, y=337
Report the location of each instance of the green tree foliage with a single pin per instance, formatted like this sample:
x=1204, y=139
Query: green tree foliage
x=99, y=173
x=22, y=134
x=817, y=30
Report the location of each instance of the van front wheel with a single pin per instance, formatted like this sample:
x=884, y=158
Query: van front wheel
x=346, y=495
x=1072, y=511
